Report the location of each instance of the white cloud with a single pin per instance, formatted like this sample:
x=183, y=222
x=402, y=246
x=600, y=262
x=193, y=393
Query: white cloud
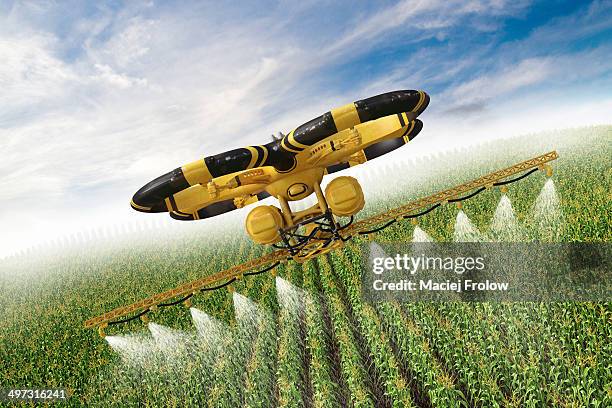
x=525, y=73
x=130, y=44
x=141, y=95
x=421, y=17
x=527, y=76
x=525, y=115
x=30, y=74
x=382, y=21
x=108, y=75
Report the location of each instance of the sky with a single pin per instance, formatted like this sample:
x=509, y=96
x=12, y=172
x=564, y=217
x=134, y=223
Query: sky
x=98, y=98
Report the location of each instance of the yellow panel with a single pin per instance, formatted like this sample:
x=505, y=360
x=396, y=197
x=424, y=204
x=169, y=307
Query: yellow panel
x=196, y=172
x=168, y=205
x=345, y=116
x=192, y=197
x=357, y=158
x=252, y=199
x=262, y=224
x=344, y=196
x=375, y=131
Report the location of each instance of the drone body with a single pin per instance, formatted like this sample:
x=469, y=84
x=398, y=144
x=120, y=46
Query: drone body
x=291, y=168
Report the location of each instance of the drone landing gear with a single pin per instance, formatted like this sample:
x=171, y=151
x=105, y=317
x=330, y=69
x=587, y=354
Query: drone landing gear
x=313, y=236
x=313, y=231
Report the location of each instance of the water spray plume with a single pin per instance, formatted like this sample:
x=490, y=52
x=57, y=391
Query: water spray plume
x=376, y=251
x=135, y=350
x=290, y=297
x=505, y=226
x=465, y=231
x=209, y=329
x=547, y=212
x=246, y=310
x=171, y=342
x=419, y=235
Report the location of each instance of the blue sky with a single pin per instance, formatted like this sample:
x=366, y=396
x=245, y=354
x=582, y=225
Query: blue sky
x=99, y=97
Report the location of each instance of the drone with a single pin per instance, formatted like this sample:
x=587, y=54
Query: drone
x=291, y=168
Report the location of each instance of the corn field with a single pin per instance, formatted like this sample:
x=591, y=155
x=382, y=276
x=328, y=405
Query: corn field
x=303, y=336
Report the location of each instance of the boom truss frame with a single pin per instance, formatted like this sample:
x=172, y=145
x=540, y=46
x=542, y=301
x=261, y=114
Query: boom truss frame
x=412, y=209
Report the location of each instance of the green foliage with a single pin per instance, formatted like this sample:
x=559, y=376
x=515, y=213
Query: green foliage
x=318, y=343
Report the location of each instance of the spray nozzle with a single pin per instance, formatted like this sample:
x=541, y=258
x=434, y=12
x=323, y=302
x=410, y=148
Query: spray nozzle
x=101, y=330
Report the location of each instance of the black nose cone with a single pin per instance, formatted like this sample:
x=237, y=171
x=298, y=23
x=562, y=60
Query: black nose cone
x=424, y=103
x=391, y=103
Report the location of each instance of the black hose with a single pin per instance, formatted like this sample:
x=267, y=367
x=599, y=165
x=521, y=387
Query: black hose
x=454, y=200
x=218, y=287
x=430, y=209
x=501, y=183
x=274, y=265
x=480, y=190
x=405, y=216
x=347, y=224
x=176, y=302
x=129, y=318
x=376, y=229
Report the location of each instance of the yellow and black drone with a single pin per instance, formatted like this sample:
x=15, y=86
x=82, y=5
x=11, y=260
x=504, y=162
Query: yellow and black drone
x=291, y=168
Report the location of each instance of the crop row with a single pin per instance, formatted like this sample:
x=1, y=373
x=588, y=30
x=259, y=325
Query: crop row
x=387, y=370
x=324, y=382
x=352, y=359
x=290, y=375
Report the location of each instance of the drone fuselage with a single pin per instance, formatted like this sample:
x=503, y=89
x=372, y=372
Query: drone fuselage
x=291, y=169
